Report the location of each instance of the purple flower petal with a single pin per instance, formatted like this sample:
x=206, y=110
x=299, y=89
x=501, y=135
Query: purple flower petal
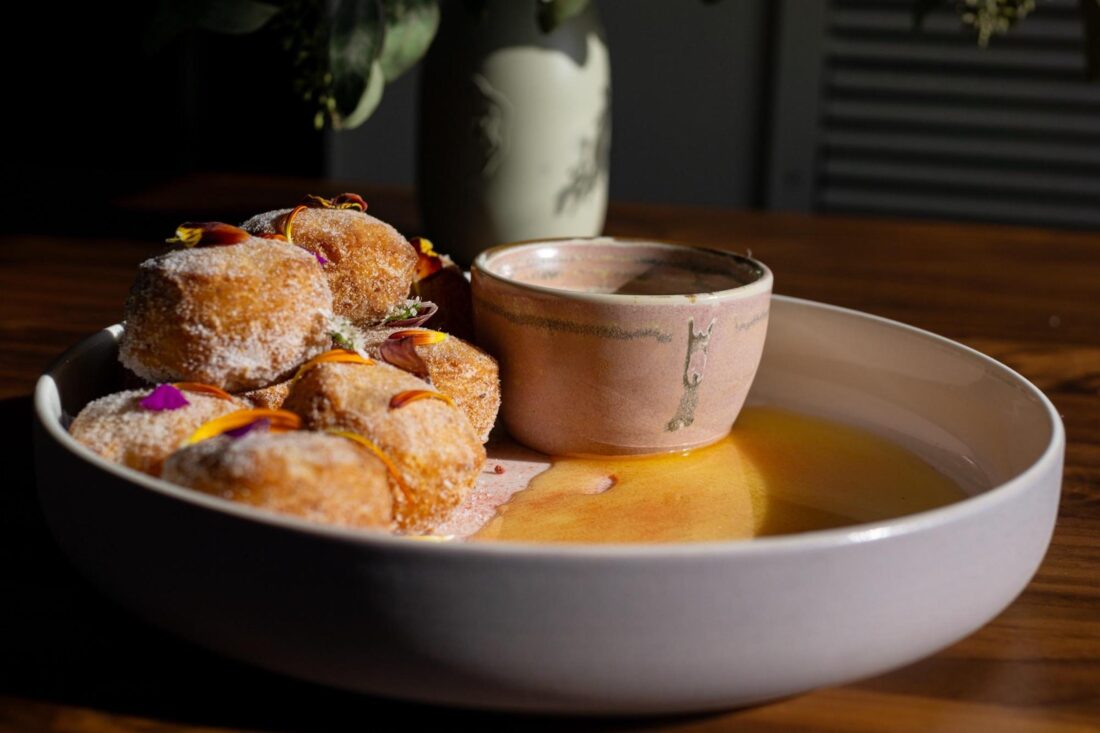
x=164, y=397
x=401, y=353
x=262, y=425
x=321, y=259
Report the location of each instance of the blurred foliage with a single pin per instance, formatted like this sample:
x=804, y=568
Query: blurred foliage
x=343, y=52
x=989, y=18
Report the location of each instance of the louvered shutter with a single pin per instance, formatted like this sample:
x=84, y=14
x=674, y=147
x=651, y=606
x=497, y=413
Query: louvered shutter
x=871, y=116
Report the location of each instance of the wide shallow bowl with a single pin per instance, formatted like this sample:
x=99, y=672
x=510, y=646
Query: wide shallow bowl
x=608, y=629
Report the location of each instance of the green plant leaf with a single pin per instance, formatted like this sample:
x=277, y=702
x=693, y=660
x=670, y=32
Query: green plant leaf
x=410, y=28
x=356, y=32
x=173, y=17
x=235, y=16
x=552, y=13
x=1090, y=9
x=372, y=95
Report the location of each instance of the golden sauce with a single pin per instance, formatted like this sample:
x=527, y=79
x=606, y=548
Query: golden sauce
x=776, y=473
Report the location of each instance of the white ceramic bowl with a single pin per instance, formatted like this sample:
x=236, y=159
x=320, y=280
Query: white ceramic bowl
x=609, y=629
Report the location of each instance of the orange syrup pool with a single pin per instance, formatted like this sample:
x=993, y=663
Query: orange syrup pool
x=776, y=473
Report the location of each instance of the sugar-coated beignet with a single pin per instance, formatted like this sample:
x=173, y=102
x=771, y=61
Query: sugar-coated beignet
x=430, y=443
x=314, y=476
x=369, y=265
x=239, y=316
x=118, y=428
x=458, y=369
x=270, y=397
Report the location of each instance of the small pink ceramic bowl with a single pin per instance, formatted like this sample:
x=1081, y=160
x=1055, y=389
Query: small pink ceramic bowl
x=620, y=347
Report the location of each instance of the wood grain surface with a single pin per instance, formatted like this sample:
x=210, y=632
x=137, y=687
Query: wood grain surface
x=72, y=661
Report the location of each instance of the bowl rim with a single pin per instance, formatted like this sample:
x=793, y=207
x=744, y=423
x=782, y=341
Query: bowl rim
x=762, y=284
x=812, y=541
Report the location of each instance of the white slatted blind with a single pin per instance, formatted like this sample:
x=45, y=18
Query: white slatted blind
x=926, y=123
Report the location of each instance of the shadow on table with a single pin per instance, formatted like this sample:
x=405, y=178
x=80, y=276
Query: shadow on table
x=62, y=642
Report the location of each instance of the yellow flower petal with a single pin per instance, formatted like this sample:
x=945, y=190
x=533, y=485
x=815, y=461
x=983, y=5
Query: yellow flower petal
x=395, y=474
x=343, y=356
x=282, y=421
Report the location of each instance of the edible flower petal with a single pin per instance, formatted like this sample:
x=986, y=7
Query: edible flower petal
x=424, y=246
x=350, y=201
x=346, y=335
x=341, y=201
x=335, y=355
x=419, y=336
x=402, y=354
x=318, y=202
x=422, y=311
x=412, y=395
x=164, y=397
x=195, y=234
x=278, y=421
x=260, y=426
x=400, y=349
x=203, y=389
x=427, y=261
x=286, y=224
x=321, y=259
x=395, y=474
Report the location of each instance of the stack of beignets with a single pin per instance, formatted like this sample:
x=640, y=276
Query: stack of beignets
x=369, y=265
x=433, y=449
x=118, y=428
x=458, y=369
x=310, y=475
x=235, y=316
x=391, y=442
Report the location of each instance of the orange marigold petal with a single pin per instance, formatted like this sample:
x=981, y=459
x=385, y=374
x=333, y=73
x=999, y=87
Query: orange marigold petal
x=350, y=201
x=340, y=201
x=395, y=474
x=286, y=224
x=281, y=421
x=203, y=389
x=419, y=336
x=197, y=233
x=334, y=355
x=427, y=261
x=412, y=395
x=318, y=202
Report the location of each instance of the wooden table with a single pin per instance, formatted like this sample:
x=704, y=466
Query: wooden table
x=72, y=661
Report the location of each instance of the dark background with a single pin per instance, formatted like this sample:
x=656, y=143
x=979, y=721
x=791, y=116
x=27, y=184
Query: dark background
x=822, y=105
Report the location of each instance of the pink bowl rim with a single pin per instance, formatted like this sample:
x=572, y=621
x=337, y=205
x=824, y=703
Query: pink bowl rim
x=762, y=284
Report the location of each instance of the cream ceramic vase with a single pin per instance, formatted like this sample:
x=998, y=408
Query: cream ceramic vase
x=515, y=128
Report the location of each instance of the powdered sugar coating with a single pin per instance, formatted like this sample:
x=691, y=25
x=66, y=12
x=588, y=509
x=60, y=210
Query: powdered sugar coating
x=270, y=397
x=370, y=265
x=315, y=476
x=237, y=317
x=457, y=369
x=119, y=429
x=431, y=443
